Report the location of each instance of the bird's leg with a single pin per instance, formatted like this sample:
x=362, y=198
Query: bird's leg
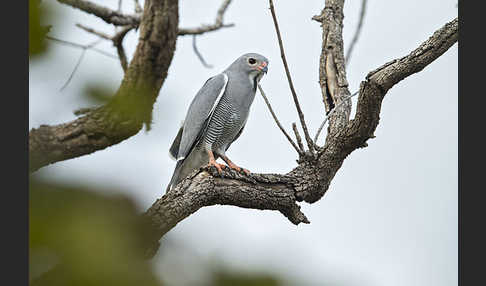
x=233, y=165
x=212, y=162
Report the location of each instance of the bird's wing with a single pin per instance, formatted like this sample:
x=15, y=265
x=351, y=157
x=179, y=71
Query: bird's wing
x=199, y=113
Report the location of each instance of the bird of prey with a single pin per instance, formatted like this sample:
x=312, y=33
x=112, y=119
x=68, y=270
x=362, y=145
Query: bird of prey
x=216, y=117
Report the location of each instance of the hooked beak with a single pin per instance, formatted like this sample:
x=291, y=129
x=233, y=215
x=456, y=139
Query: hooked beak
x=263, y=67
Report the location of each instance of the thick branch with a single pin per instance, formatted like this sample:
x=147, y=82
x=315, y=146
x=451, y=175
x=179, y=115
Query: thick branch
x=379, y=81
x=132, y=104
x=332, y=72
x=372, y=92
x=263, y=192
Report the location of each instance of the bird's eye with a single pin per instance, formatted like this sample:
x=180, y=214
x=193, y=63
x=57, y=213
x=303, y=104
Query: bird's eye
x=252, y=61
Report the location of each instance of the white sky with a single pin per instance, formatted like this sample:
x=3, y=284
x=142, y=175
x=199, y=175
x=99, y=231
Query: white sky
x=390, y=214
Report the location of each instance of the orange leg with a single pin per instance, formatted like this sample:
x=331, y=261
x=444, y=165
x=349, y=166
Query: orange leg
x=212, y=162
x=233, y=165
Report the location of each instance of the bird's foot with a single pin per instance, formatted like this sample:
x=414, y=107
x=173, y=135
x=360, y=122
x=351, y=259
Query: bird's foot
x=237, y=168
x=218, y=166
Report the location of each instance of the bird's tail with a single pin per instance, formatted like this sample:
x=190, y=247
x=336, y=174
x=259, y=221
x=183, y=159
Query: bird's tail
x=175, y=176
x=197, y=158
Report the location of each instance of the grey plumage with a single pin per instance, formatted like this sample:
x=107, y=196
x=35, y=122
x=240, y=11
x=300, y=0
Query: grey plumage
x=216, y=116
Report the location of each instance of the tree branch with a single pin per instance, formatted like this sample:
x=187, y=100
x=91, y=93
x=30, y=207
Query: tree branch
x=308, y=139
x=332, y=71
x=299, y=151
x=201, y=189
x=118, y=43
x=380, y=80
x=218, y=23
x=119, y=19
x=129, y=108
x=357, y=32
x=106, y=14
x=311, y=178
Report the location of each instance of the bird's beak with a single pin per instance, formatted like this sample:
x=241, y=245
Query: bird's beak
x=263, y=67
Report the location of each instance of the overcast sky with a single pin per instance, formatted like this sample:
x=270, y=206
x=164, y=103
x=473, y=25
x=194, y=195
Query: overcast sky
x=390, y=214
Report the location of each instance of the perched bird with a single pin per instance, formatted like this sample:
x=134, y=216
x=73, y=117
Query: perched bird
x=216, y=117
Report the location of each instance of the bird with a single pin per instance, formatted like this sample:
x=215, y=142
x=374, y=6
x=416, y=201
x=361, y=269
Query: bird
x=216, y=118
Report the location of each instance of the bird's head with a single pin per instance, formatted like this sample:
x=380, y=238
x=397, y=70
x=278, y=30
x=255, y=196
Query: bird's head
x=252, y=63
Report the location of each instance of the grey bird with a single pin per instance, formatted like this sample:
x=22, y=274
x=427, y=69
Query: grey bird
x=216, y=117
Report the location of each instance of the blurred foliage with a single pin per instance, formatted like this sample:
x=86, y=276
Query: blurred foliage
x=37, y=32
x=80, y=237
x=98, y=93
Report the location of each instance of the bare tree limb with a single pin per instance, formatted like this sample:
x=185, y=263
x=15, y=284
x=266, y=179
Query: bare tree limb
x=202, y=189
x=119, y=19
x=299, y=151
x=308, y=139
x=357, y=32
x=118, y=43
x=297, y=136
x=94, y=32
x=106, y=14
x=218, y=23
x=380, y=80
x=332, y=71
x=198, y=54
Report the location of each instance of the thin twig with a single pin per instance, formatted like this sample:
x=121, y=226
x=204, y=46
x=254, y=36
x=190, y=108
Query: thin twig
x=84, y=49
x=357, y=32
x=297, y=136
x=278, y=122
x=198, y=54
x=117, y=40
x=331, y=112
x=118, y=43
x=74, y=70
x=76, y=45
x=94, y=32
x=310, y=144
x=218, y=23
